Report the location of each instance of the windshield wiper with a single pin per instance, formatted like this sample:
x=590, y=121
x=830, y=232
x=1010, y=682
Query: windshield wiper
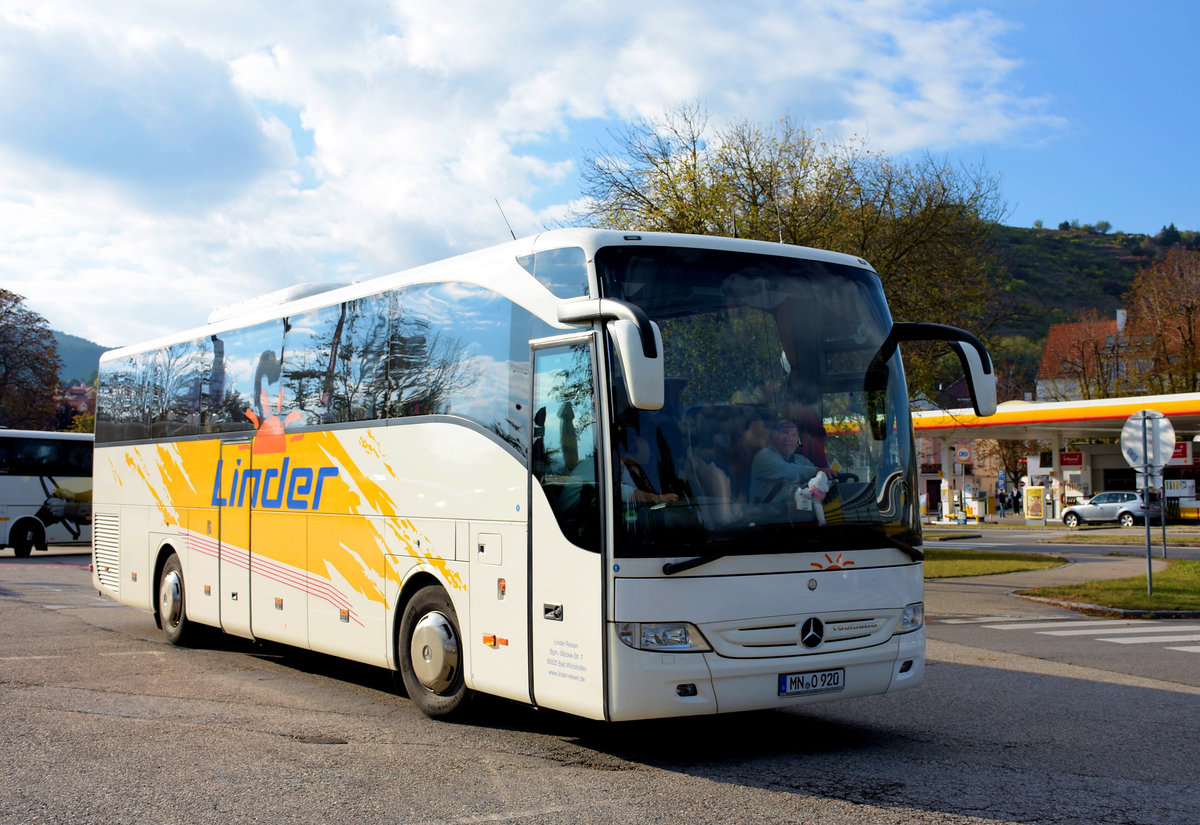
x=673, y=567
x=914, y=553
x=734, y=548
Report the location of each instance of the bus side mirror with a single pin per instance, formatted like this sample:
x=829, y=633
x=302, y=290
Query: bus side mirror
x=636, y=340
x=981, y=381
x=972, y=354
x=645, y=377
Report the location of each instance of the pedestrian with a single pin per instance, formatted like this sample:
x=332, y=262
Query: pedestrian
x=1001, y=496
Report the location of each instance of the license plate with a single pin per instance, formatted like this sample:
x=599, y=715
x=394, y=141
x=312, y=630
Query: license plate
x=815, y=681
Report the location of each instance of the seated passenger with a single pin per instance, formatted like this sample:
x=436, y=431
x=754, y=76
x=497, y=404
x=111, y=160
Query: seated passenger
x=778, y=468
x=741, y=455
x=636, y=486
x=812, y=436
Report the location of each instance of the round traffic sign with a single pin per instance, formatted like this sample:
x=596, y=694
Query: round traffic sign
x=1147, y=440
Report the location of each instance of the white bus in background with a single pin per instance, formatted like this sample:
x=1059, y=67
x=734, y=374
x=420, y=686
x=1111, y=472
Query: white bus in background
x=526, y=471
x=45, y=489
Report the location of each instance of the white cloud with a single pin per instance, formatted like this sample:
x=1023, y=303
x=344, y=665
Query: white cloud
x=161, y=120
x=148, y=173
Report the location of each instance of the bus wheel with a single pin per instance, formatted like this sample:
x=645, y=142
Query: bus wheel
x=430, y=654
x=171, y=613
x=25, y=539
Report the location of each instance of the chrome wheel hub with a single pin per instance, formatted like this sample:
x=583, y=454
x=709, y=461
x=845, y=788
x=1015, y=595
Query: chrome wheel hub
x=434, y=652
x=171, y=599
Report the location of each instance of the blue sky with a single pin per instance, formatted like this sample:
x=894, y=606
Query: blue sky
x=158, y=160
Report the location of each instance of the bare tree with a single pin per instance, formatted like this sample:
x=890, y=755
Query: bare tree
x=925, y=225
x=1093, y=357
x=1164, y=323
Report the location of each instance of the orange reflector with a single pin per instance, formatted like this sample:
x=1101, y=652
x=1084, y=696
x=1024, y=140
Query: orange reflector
x=489, y=639
x=502, y=641
x=134, y=575
x=279, y=604
x=208, y=590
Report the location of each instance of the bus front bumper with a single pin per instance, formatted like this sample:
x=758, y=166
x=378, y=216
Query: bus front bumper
x=648, y=685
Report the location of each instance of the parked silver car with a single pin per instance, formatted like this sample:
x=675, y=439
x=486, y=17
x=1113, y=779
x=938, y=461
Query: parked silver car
x=1125, y=508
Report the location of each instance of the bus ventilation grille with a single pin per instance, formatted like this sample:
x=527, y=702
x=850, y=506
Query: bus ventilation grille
x=106, y=549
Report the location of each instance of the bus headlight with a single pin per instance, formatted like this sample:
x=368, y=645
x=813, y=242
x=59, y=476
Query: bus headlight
x=665, y=637
x=913, y=618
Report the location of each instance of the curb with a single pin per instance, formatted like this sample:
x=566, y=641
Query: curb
x=1084, y=607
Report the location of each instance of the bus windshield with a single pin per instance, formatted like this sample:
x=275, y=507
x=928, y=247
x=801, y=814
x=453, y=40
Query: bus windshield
x=783, y=429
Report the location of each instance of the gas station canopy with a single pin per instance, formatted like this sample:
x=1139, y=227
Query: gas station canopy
x=1060, y=421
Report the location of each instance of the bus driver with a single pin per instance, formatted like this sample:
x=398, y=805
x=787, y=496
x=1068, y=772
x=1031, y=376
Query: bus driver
x=777, y=467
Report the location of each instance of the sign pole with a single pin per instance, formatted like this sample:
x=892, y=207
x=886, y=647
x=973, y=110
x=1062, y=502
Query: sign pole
x=1146, y=500
x=1162, y=516
x=1146, y=431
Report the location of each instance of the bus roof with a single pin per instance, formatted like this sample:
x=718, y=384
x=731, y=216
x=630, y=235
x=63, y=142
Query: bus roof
x=492, y=268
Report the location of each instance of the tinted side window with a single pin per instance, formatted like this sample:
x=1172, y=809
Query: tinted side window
x=335, y=361
x=562, y=271
x=245, y=376
x=123, y=400
x=180, y=375
x=439, y=349
x=45, y=457
x=460, y=350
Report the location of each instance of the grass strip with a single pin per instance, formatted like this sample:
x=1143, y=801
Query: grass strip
x=1131, y=540
x=1175, y=589
x=945, y=563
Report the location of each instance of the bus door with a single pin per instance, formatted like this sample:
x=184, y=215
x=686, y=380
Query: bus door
x=565, y=517
x=234, y=537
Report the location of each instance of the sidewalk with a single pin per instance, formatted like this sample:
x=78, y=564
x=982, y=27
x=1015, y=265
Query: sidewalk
x=1017, y=521
x=992, y=595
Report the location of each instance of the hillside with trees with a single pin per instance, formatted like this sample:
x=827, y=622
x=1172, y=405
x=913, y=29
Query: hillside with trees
x=80, y=358
x=1052, y=274
x=1063, y=275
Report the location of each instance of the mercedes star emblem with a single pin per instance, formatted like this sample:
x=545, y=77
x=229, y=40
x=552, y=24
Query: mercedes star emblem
x=812, y=632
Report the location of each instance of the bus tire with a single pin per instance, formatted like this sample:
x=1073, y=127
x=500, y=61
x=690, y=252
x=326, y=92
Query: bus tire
x=25, y=538
x=172, y=612
x=430, y=654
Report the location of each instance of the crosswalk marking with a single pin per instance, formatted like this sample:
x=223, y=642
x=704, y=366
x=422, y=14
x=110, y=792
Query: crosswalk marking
x=1114, y=631
x=1093, y=631
x=985, y=620
x=1055, y=624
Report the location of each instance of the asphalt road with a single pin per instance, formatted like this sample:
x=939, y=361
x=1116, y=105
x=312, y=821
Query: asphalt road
x=101, y=721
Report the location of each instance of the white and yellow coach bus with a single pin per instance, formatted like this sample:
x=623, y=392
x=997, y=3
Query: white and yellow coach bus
x=541, y=471
x=45, y=489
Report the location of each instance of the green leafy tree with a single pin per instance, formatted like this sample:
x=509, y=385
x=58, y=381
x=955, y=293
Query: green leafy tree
x=1168, y=237
x=1017, y=359
x=29, y=365
x=84, y=423
x=924, y=225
